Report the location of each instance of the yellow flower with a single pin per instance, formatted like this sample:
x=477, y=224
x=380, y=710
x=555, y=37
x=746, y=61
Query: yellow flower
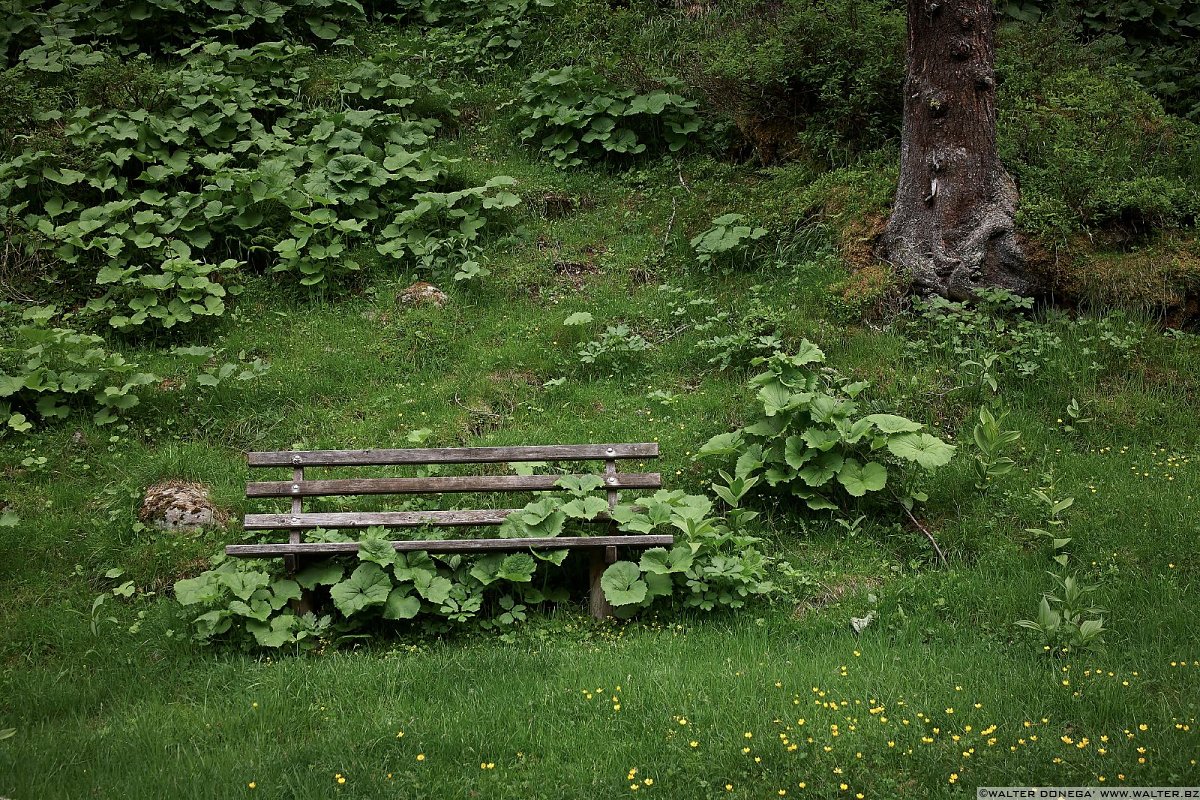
x=693, y=743
x=729, y=787
x=750, y=735
x=399, y=734
x=251, y=785
x=420, y=756
x=648, y=781
x=340, y=779
x=953, y=777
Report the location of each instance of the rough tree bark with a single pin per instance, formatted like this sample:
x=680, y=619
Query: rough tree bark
x=952, y=228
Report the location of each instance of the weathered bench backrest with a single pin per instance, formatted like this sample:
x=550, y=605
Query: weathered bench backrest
x=299, y=487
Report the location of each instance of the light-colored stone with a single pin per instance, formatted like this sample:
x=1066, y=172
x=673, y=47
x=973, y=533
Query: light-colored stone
x=179, y=507
x=421, y=293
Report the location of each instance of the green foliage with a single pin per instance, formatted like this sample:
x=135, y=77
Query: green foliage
x=1093, y=150
x=1066, y=620
x=228, y=168
x=615, y=350
x=995, y=336
x=808, y=444
x=728, y=243
x=574, y=115
x=715, y=564
x=440, y=232
x=60, y=37
x=46, y=371
x=992, y=442
x=1159, y=39
x=811, y=79
x=478, y=35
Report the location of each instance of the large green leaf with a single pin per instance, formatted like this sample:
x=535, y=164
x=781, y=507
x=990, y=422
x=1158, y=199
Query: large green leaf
x=374, y=550
x=323, y=574
x=401, y=604
x=586, y=508
x=722, y=444
x=862, y=478
x=891, y=423
x=622, y=584
x=202, y=589
x=517, y=568
x=367, y=586
x=660, y=561
x=927, y=450
x=821, y=470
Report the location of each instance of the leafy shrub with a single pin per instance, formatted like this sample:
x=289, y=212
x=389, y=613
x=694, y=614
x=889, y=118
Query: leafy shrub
x=727, y=243
x=478, y=35
x=56, y=37
x=996, y=335
x=166, y=204
x=575, y=115
x=614, y=350
x=440, y=231
x=712, y=566
x=1159, y=39
x=808, y=444
x=1093, y=150
x=805, y=78
x=46, y=371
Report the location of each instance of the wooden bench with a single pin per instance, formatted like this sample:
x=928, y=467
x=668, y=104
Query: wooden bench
x=602, y=548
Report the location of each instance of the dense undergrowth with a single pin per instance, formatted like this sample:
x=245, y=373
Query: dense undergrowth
x=653, y=222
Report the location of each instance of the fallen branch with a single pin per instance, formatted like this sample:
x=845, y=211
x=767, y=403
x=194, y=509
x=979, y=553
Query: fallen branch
x=928, y=535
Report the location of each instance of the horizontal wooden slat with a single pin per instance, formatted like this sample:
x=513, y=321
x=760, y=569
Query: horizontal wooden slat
x=457, y=545
x=451, y=455
x=461, y=483
x=365, y=519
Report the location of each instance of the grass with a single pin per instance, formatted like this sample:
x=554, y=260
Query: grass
x=134, y=709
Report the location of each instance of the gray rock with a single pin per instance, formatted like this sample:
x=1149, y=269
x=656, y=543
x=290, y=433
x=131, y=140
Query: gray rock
x=421, y=294
x=179, y=507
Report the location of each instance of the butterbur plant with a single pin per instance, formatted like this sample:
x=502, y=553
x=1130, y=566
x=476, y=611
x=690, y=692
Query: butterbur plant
x=46, y=371
x=574, y=115
x=255, y=603
x=810, y=443
x=727, y=242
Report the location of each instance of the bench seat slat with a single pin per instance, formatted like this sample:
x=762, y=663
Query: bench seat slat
x=456, y=545
x=451, y=455
x=457, y=483
x=366, y=519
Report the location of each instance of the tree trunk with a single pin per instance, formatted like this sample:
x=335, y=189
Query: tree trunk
x=953, y=224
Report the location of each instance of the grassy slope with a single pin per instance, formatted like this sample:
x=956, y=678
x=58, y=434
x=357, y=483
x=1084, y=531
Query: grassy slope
x=137, y=714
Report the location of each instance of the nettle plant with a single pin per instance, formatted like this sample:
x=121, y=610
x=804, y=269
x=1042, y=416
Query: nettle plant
x=728, y=243
x=575, y=115
x=713, y=565
x=809, y=442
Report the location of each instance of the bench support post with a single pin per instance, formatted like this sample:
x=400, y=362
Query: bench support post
x=597, y=602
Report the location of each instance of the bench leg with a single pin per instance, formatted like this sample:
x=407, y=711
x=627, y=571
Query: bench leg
x=306, y=602
x=597, y=603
